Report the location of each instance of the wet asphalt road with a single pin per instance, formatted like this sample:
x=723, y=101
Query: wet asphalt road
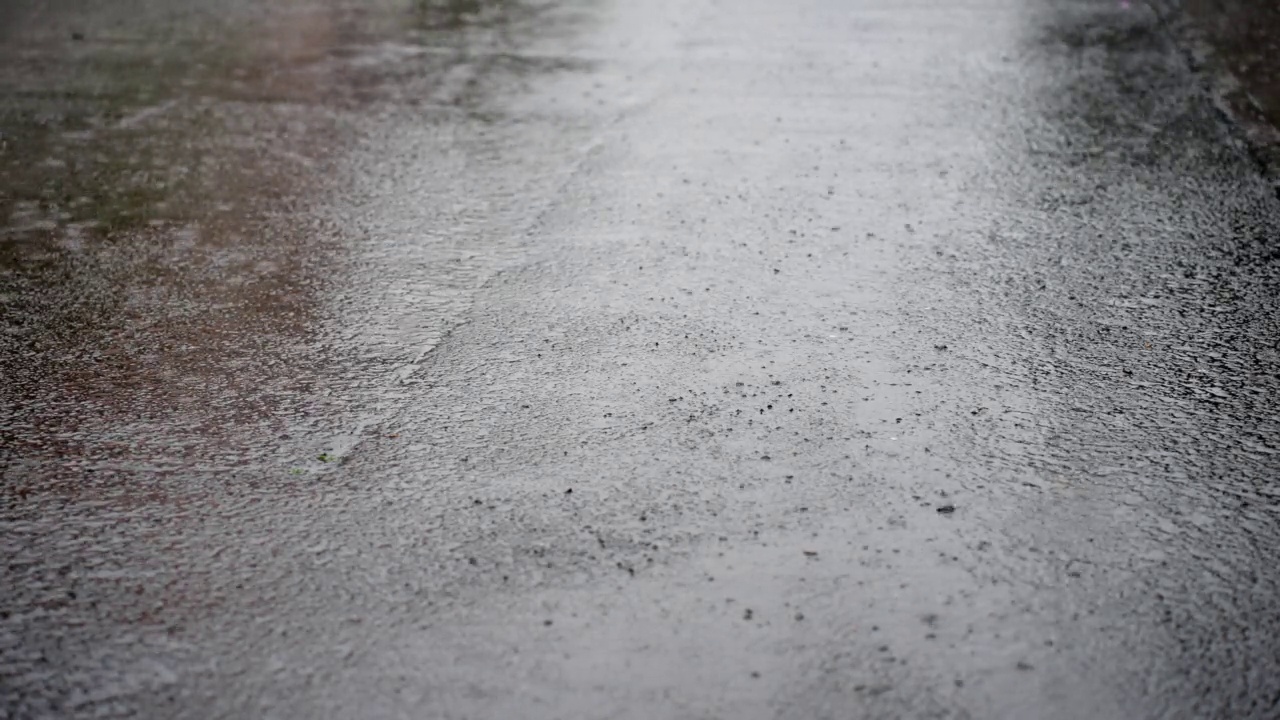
x=602, y=359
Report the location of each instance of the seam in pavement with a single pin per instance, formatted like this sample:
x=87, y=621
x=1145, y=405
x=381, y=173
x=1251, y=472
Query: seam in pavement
x=424, y=355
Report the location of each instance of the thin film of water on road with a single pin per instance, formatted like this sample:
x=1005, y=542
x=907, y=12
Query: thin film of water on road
x=614, y=359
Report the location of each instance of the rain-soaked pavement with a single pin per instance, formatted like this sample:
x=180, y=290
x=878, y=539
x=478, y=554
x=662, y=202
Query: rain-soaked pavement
x=612, y=359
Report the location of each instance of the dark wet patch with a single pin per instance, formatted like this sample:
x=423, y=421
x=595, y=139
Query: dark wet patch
x=1243, y=42
x=158, y=251
x=453, y=15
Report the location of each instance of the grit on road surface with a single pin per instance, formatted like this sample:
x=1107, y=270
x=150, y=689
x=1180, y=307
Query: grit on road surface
x=611, y=359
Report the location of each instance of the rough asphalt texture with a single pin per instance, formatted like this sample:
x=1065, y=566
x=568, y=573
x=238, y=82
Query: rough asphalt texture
x=609, y=359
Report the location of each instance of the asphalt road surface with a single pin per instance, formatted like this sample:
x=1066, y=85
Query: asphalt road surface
x=608, y=359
